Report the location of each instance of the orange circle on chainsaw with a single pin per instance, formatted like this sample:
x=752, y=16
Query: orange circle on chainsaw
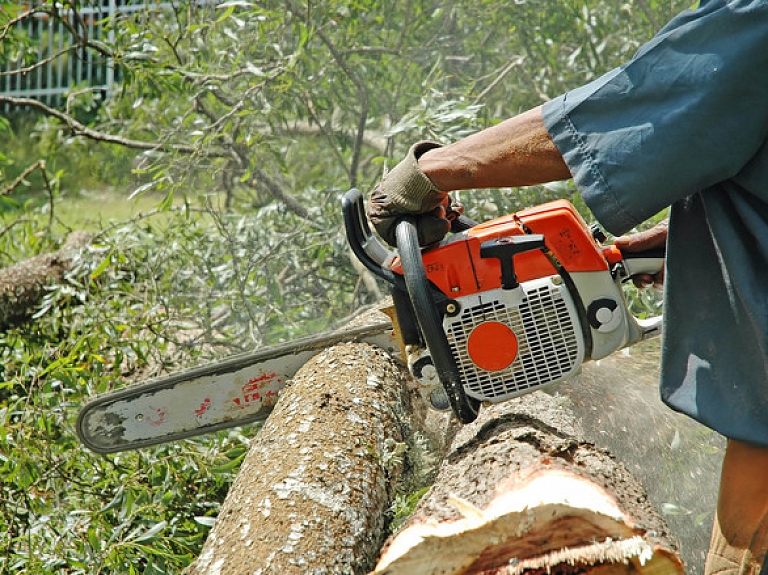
x=492, y=346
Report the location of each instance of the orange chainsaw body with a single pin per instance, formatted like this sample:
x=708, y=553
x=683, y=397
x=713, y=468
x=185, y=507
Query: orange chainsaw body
x=562, y=306
x=457, y=268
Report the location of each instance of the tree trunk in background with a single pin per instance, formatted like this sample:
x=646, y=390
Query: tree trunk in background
x=314, y=490
x=23, y=285
x=519, y=492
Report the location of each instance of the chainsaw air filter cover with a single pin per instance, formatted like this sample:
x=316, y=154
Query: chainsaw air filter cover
x=510, y=342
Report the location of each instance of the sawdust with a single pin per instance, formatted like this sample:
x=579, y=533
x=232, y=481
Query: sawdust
x=674, y=458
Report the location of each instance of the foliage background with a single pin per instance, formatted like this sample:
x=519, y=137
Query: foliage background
x=239, y=125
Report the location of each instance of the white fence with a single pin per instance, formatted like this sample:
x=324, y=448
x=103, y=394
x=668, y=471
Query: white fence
x=46, y=69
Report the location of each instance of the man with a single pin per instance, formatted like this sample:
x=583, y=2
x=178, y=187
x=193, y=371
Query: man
x=683, y=124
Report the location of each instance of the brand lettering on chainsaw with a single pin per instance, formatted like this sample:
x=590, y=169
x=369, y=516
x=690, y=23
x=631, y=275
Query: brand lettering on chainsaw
x=250, y=392
x=571, y=244
x=434, y=267
x=158, y=418
x=203, y=406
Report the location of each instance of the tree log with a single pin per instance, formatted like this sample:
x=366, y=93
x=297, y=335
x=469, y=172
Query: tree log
x=519, y=493
x=520, y=490
x=23, y=285
x=313, y=492
x=677, y=460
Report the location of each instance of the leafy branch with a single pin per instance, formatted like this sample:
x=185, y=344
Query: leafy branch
x=80, y=129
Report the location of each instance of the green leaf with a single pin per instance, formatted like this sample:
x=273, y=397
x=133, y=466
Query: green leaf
x=151, y=533
x=204, y=520
x=228, y=467
x=235, y=3
x=230, y=8
x=102, y=267
x=167, y=202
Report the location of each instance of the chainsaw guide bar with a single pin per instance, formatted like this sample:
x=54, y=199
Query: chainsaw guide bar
x=240, y=390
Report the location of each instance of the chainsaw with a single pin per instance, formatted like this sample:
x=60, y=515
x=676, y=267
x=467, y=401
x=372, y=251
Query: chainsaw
x=494, y=311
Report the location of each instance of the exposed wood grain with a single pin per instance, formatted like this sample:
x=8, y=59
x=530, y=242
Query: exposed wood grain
x=520, y=492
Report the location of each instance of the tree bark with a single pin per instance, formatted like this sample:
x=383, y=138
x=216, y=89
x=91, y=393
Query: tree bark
x=23, y=285
x=313, y=493
x=519, y=492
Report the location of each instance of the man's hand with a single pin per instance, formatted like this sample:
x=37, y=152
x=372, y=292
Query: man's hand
x=406, y=190
x=654, y=238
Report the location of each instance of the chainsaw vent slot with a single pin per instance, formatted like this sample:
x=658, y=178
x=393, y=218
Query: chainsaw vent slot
x=543, y=318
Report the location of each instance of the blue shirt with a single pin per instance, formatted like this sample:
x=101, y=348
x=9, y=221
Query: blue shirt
x=685, y=124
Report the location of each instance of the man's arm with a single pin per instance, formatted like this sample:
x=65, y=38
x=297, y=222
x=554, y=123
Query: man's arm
x=516, y=152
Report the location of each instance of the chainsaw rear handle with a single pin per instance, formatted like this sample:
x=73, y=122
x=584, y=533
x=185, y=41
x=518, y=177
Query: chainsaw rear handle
x=649, y=262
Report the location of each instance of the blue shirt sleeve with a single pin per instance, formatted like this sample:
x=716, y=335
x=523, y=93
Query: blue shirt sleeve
x=688, y=111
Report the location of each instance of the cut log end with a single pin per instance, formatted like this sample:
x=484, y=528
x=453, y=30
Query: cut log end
x=548, y=521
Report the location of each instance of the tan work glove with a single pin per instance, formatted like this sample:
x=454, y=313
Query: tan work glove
x=406, y=190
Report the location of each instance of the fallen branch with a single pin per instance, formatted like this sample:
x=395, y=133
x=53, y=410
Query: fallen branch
x=23, y=285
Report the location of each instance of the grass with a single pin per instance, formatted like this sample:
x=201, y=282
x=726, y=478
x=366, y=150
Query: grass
x=92, y=211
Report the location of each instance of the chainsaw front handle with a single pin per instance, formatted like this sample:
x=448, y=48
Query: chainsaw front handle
x=376, y=257
x=371, y=252
x=430, y=320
